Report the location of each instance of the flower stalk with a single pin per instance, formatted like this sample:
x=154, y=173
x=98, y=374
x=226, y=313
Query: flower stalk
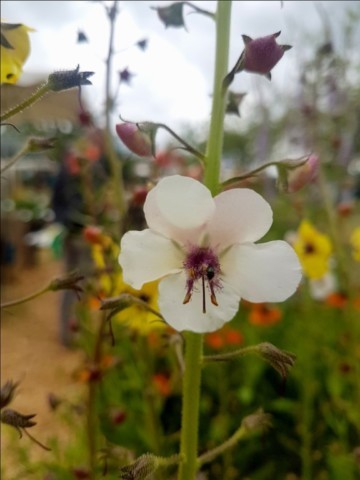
x=194, y=341
x=39, y=93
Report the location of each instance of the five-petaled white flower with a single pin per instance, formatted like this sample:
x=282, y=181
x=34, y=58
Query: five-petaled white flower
x=203, y=250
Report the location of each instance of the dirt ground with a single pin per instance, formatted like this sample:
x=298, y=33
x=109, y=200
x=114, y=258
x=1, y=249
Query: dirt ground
x=32, y=355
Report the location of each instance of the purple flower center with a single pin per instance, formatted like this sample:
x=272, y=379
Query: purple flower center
x=201, y=263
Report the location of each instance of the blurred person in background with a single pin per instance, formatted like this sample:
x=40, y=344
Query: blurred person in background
x=77, y=201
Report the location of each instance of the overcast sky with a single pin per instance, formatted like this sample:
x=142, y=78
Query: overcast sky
x=173, y=77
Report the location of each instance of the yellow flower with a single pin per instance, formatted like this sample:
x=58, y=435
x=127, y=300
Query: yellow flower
x=355, y=243
x=136, y=317
x=15, y=48
x=314, y=250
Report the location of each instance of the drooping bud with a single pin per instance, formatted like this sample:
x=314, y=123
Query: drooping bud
x=304, y=174
x=17, y=420
x=280, y=360
x=172, y=15
x=234, y=102
x=260, y=55
x=7, y=393
x=65, y=79
x=67, y=282
x=137, y=140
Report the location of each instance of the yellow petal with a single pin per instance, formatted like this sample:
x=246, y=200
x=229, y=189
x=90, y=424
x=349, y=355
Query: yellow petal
x=12, y=59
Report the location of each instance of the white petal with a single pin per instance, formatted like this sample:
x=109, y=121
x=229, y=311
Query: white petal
x=190, y=316
x=241, y=215
x=267, y=272
x=146, y=256
x=178, y=207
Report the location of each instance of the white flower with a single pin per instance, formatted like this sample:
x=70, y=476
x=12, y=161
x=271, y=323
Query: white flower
x=203, y=250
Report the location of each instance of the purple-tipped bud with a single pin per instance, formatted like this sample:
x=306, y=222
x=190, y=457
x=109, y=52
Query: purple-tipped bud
x=259, y=56
x=303, y=175
x=262, y=54
x=136, y=140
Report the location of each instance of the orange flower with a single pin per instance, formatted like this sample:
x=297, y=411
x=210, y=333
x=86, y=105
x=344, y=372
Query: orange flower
x=233, y=337
x=337, y=300
x=94, y=372
x=215, y=340
x=264, y=315
x=162, y=384
x=223, y=337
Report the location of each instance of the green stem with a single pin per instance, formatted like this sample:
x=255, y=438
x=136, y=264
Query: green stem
x=16, y=157
x=334, y=231
x=229, y=443
x=27, y=298
x=190, y=407
x=194, y=341
x=113, y=158
x=44, y=89
x=187, y=146
x=216, y=134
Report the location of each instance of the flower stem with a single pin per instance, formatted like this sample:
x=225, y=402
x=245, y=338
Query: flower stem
x=190, y=407
x=16, y=157
x=19, y=301
x=194, y=341
x=216, y=134
x=113, y=159
x=44, y=89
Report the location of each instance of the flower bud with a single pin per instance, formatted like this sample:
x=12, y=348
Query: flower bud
x=234, y=102
x=137, y=140
x=256, y=421
x=280, y=360
x=63, y=80
x=172, y=15
x=262, y=54
x=17, y=420
x=67, y=282
x=40, y=144
x=304, y=174
x=125, y=76
x=259, y=56
x=7, y=393
x=141, y=469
